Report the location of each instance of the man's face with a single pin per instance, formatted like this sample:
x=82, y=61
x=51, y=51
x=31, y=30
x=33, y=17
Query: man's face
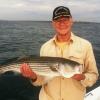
x=63, y=25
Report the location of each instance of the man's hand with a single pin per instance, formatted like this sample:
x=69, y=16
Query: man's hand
x=27, y=72
x=79, y=77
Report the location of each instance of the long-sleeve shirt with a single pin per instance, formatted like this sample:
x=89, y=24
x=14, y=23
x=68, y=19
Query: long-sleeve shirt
x=60, y=88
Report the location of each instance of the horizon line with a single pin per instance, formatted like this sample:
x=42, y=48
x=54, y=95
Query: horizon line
x=49, y=21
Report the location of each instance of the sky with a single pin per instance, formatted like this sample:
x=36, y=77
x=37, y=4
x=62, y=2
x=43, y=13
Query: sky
x=41, y=10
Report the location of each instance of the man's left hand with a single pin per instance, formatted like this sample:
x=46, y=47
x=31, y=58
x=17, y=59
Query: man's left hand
x=79, y=77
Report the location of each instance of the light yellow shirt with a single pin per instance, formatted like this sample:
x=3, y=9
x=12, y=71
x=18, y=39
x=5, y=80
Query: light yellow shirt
x=60, y=88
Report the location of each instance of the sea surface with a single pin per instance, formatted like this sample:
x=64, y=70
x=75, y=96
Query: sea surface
x=23, y=38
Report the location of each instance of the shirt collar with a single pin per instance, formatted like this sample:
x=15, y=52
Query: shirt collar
x=72, y=39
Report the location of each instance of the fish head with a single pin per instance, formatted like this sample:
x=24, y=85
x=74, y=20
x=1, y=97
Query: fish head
x=65, y=67
x=68, y=71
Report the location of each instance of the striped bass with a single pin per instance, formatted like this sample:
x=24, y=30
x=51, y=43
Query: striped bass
x=45, y=66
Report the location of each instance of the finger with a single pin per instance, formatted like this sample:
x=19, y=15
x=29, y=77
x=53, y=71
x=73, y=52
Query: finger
x=23, y=69
x=28, y=70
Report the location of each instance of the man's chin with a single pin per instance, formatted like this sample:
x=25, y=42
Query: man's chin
x=63, y=32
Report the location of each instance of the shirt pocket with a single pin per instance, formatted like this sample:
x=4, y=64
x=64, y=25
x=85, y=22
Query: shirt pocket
x=76, y=57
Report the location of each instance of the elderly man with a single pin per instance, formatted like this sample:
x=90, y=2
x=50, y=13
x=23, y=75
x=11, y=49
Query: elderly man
x=67, y=45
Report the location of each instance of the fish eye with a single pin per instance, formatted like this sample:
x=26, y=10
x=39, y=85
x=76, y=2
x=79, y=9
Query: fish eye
x=55, y=67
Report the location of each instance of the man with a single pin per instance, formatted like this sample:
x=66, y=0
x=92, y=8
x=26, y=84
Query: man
x=67, y=45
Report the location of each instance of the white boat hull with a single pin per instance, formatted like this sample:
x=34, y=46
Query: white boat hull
x=93, y=95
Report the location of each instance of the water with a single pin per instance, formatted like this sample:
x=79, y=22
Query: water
x=26, y=37
x=22, y=38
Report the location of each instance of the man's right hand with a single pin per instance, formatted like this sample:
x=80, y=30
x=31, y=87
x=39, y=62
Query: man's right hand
x=27, y=72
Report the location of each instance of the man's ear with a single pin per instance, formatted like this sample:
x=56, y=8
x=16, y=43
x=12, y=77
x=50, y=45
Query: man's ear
x=71, y=21
x=52, y=23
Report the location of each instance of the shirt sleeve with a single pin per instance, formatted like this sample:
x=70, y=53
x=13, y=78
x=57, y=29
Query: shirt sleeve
x=90, y=69
x=42, y=50
x=41, y=80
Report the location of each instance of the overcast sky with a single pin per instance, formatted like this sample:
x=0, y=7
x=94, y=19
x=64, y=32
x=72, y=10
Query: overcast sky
x=82, y=10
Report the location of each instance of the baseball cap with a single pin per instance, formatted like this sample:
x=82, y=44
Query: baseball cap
x=61, y=11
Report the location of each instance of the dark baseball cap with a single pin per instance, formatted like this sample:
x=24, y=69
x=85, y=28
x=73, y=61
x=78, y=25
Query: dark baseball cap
x=61, y=11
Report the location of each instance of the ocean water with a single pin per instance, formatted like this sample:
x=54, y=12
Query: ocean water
x=23, y=38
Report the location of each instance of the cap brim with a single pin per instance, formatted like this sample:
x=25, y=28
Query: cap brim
x=57, y=17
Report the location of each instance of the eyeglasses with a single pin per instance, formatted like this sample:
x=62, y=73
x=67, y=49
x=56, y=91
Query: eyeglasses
x=62, y=20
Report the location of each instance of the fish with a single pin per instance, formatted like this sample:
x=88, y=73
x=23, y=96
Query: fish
x=44, y=66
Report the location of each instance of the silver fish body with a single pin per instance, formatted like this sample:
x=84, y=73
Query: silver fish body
x=45, y=66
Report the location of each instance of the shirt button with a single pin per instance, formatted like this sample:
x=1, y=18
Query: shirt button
x=63, y=78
